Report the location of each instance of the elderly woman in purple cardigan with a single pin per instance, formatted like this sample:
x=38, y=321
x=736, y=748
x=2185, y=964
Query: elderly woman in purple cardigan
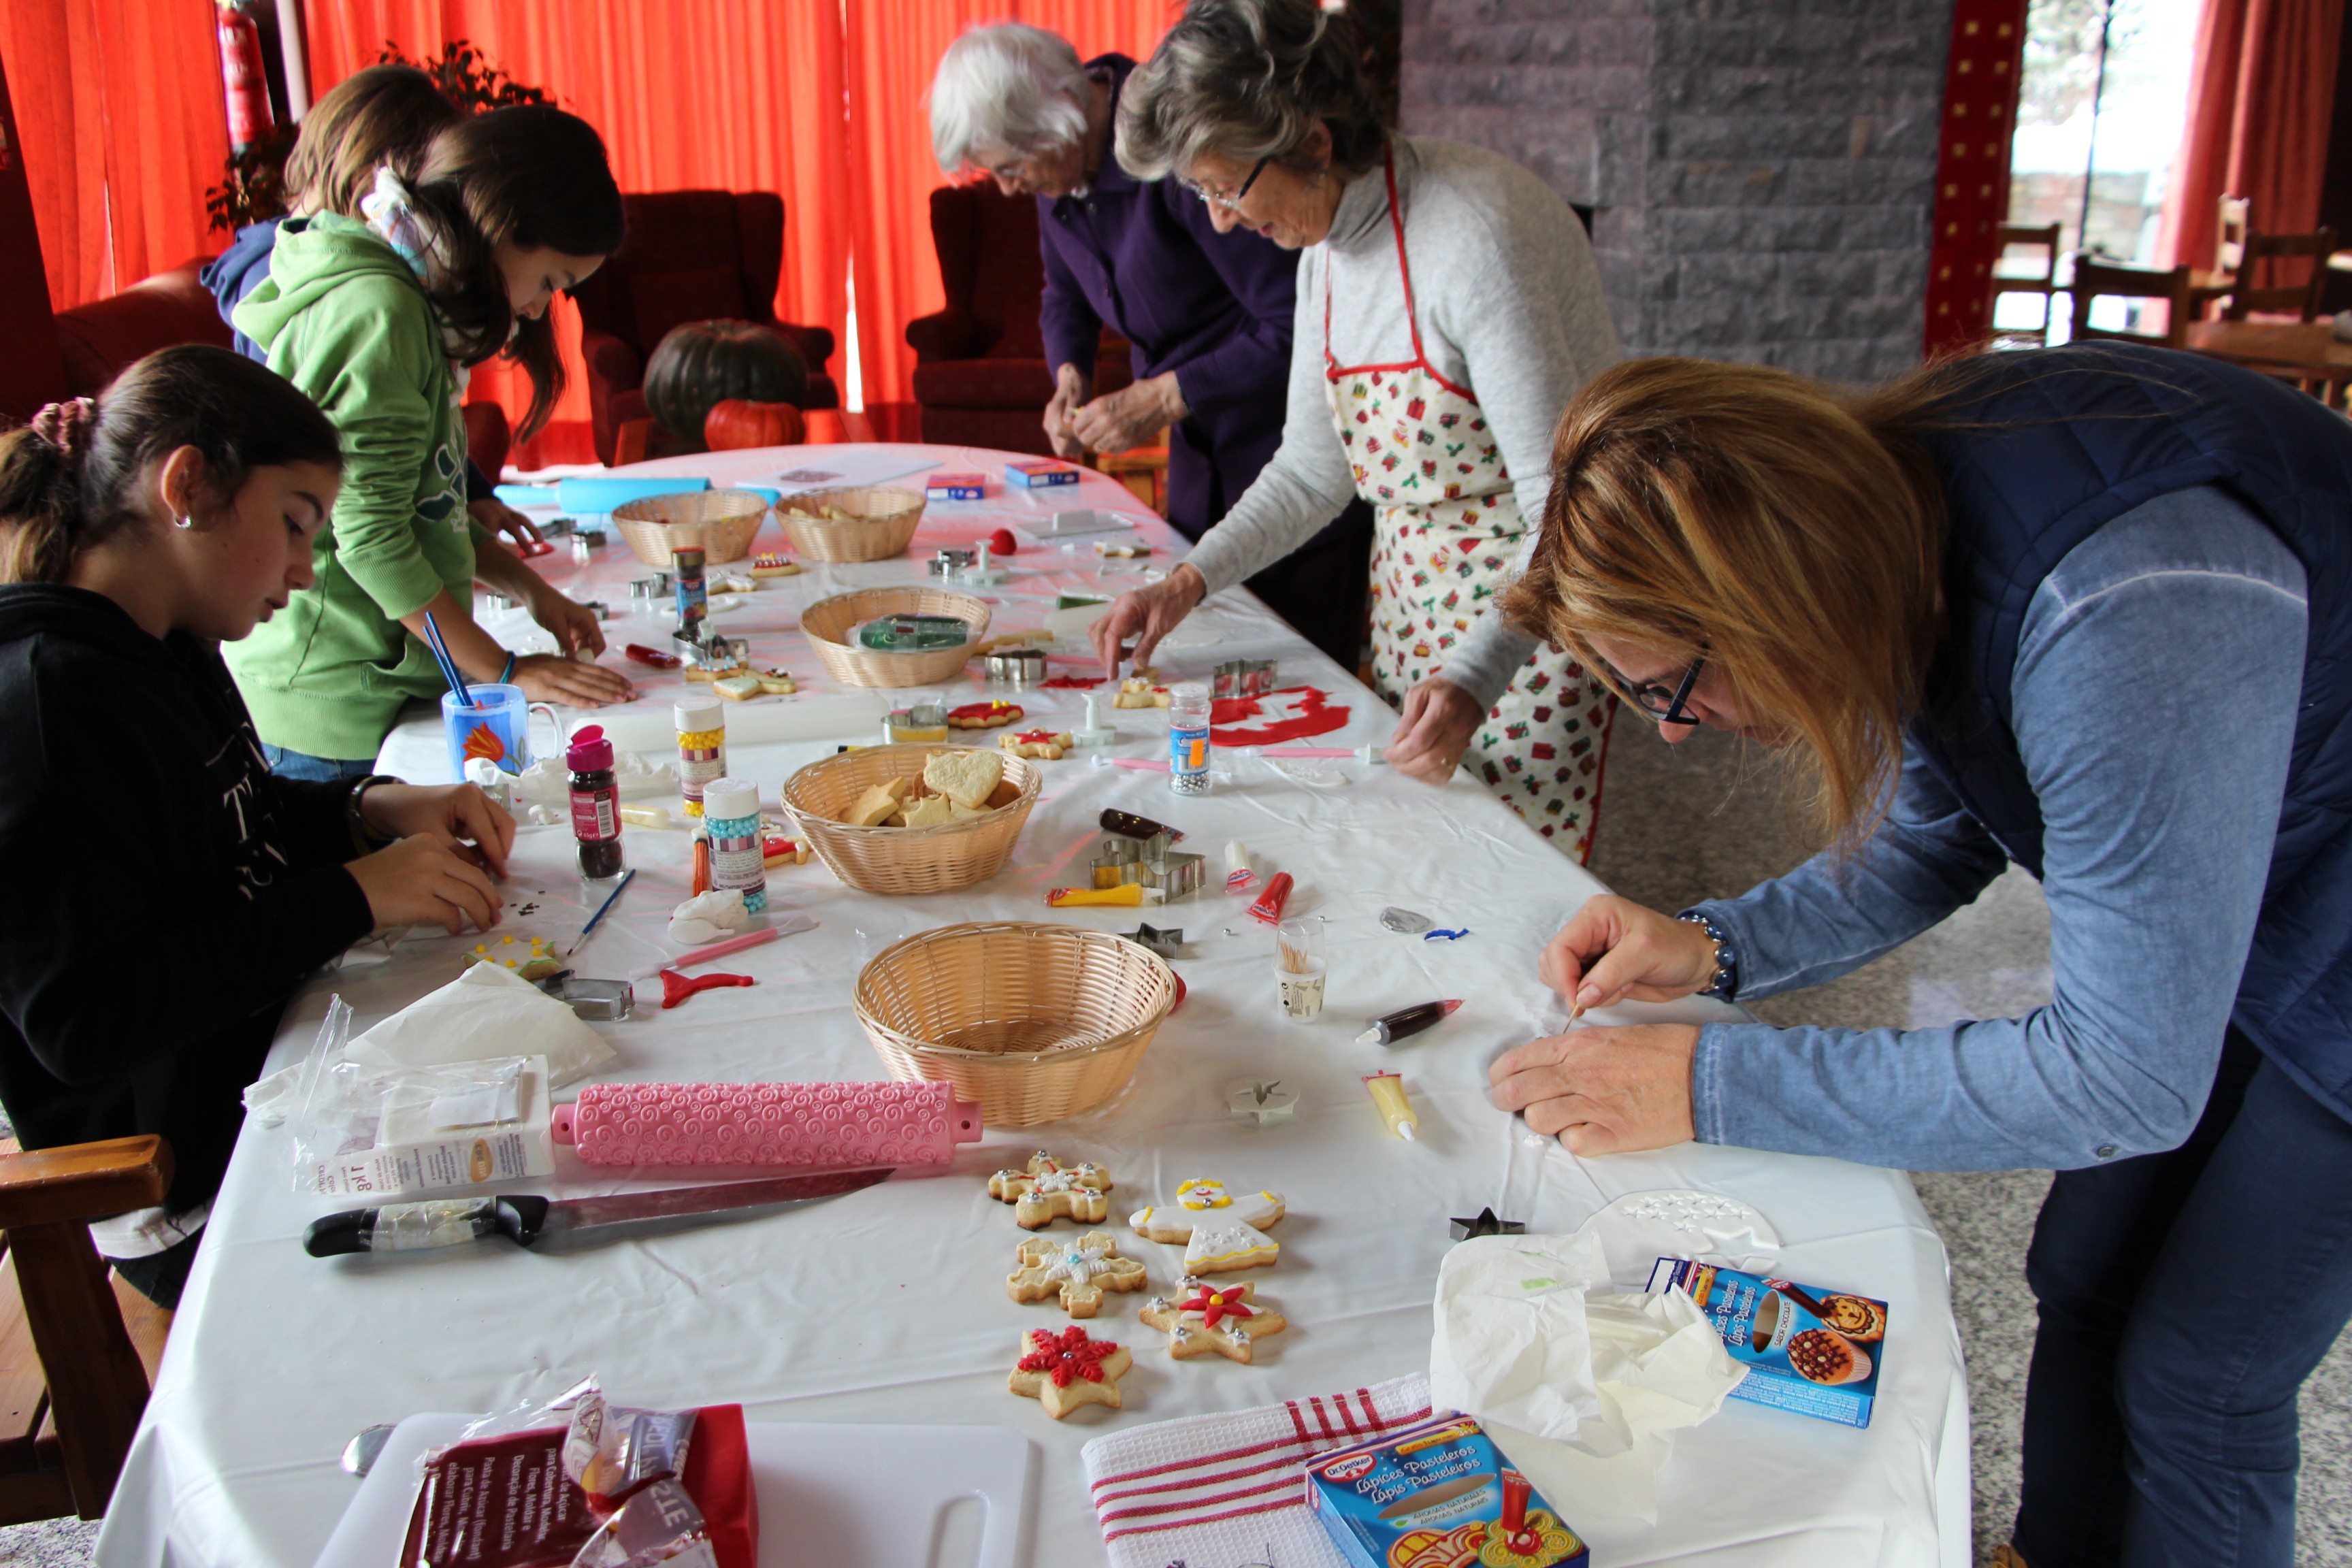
x=1210, y=314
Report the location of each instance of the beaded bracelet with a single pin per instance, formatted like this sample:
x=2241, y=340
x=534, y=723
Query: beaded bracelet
x=1727, y=960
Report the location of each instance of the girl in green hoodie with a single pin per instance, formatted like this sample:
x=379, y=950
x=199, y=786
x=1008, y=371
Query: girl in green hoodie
x=380, y=321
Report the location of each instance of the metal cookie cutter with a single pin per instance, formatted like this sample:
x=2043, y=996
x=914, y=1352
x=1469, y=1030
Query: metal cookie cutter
x=597, y=607
x=1244, y=677
x=597, y=1001
x=949, y=563
x=1166, y=944
x=641, y=593
x=1117, y=861
x=1018, y=666
x=1175, y=875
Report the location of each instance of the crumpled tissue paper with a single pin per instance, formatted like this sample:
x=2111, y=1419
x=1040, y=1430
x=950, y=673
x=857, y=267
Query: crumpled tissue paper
x=488, y=1011
x=1582, y=1387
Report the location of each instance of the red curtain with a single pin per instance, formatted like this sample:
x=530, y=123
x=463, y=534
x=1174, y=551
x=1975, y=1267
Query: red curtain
x=738, y=95
x=119, y=103
x=2261, y=97
x=1980, y=87
x=893, y=47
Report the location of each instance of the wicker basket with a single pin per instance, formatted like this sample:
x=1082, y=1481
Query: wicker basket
x=720, y=523
x=829, y=623
x=881, y=523
x=1034, y=1022
x=903, y=859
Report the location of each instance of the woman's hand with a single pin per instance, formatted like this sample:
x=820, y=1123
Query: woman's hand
x=1603, y=1091
x=476, y=825
x=1433, y=733
x=573, y=625
x=1613, y=949
x=424, y=880
x=558, y=677
x=499, y=518
x=1147, y=615
x=1131, y=415
x=1071, y=388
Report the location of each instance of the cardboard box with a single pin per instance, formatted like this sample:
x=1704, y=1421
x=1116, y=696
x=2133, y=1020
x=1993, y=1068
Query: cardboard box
x=955, y=487
x=1040, y=474
x=457, y=1125
x=1439, y=1495
x=1795, y=1360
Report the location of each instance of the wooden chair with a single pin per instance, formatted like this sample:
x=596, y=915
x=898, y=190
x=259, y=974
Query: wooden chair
x=2301, y=297
x=73, y=1378
x=2043, y=283
x=2096, y=280
x=1142, y=469
x=2232, y=225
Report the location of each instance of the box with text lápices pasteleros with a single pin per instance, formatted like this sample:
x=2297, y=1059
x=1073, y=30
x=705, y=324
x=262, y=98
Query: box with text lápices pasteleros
x=955, y=487
x=1811, y=1351
x=1039, y=473
x=1439, y=1495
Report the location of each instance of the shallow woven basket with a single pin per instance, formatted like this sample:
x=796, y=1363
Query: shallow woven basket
x=830, y=622
x=903, y=859
x=720, y=523
x=881, y=523
x=1034, y=1022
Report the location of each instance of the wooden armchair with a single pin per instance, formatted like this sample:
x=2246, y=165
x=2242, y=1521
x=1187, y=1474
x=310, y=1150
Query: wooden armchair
x=2042, y=282
x=72, y=1382
x=2095, y=278
x=2301, y=297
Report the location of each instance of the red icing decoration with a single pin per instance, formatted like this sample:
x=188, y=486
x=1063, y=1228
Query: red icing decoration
x=1001, y=543
x=1072, y=683
x=654, y=657
x=677, y=987
x=983, y=710
x=1292, y=713
x=1038, y=736
x=1067, y=1355
x=1214, y=1304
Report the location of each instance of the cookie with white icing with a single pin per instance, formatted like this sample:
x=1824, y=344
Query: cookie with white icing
x=1079, y=1271
x=1219, y=1227
x=1047, y=1191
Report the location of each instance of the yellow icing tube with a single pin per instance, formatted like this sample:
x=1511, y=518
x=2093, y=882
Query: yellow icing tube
x=1388, y=1098
x=646, y=815
x=1131, y=894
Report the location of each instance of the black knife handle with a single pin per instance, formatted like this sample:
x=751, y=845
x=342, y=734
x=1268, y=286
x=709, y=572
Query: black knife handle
x=413, y=1228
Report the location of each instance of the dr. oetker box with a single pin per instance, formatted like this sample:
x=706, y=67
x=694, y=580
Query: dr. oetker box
x=1439, y=1495
x=1815, y=1351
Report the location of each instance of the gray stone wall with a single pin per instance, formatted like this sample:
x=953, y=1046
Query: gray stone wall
x=1763, y=171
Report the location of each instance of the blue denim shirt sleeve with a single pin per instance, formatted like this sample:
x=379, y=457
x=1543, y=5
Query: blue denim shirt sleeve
x=2154, y=700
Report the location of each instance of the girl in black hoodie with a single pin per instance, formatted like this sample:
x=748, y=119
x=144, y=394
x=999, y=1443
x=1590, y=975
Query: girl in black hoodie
x=165, y=893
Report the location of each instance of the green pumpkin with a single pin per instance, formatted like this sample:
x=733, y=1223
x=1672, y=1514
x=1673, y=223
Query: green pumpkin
x=700, y=363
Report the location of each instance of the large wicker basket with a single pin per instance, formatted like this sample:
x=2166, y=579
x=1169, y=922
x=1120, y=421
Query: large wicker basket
x=881, y=523
x=1034, y=1022
x=829, y=623
x=903, y=859
x=720, y=523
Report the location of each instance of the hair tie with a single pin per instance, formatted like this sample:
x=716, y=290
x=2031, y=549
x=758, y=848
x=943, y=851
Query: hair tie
x=66, y=426
x=392, y=215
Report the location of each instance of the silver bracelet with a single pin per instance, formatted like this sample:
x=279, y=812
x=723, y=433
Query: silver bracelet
x=1727, y=960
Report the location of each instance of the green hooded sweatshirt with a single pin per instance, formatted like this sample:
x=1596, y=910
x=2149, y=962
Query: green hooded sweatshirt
x=343, y=318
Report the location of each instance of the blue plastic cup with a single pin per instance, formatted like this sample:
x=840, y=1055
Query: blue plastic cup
x=494, y=727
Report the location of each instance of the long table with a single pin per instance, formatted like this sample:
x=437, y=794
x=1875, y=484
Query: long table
x=890, y=1306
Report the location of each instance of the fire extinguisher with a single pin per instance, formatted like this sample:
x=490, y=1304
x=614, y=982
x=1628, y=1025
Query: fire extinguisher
x=243, y=76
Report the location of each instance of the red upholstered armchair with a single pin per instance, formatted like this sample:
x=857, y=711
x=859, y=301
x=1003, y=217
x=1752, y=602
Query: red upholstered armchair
x=691, y=256
x=103, y=337
x=981, y=376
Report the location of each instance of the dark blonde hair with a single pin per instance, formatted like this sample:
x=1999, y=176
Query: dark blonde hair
x=1791, y=532
x=384, y=114
x=236, y=413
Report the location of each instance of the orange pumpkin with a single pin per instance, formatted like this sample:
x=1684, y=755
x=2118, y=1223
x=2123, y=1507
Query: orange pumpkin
x=738, y=422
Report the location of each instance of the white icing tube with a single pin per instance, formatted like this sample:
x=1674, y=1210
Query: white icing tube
x=1238, y=875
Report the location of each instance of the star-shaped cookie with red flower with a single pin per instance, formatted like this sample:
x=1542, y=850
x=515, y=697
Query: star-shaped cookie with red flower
x=1202, y=1318
x=1067, y=1369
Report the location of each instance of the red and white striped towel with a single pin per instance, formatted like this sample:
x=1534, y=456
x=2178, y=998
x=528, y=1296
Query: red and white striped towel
x=1222, y=1491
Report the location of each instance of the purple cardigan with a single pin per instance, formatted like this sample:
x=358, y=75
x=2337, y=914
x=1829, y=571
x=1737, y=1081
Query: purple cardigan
x=1216, y=309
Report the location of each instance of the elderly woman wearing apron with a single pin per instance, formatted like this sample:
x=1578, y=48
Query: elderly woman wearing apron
x=1448, y=308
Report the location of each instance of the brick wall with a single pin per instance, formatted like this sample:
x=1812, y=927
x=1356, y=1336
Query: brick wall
x=1763, y=170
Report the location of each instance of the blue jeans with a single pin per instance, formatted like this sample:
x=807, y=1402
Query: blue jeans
x=289, y=764
x=2184, y=1298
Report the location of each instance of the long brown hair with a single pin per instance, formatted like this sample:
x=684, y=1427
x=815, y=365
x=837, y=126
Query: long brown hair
x=1791, y=532
x=384, y=114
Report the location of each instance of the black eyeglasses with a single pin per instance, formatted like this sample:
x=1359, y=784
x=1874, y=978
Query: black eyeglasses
x=1232, y=202
x=1659, y=703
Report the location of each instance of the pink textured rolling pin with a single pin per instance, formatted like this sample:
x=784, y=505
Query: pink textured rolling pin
x=815, y=1125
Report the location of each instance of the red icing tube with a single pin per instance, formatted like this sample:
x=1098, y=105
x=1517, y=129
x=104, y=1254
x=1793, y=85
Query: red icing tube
x=820, y=1126
x=677, y=987
x=653, y=655
x=1268, y=907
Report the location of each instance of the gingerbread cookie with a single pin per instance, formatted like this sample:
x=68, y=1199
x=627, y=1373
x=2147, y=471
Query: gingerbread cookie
x=984, y=715
x=1203, y=1319
x=1219, y=1229
x=777, y=682
x=771, y=565
x=1047, y=1191
x=1079, y=1270
x=1138, y=691
x=1067, y=1369
x=1042, y=744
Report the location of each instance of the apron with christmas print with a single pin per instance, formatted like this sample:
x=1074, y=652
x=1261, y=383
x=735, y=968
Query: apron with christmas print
x=1448, y=531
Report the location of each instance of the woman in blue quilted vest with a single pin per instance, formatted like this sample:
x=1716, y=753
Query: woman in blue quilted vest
x=2086, y=610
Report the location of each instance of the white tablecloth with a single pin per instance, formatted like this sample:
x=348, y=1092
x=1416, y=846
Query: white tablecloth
x=890, y=1306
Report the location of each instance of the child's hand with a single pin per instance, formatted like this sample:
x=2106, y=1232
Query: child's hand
x=554, y=677
x=482, y=831
x=423, y=879
x=574, y=624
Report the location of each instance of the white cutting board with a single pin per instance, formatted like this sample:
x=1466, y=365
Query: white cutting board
x=830, y=1497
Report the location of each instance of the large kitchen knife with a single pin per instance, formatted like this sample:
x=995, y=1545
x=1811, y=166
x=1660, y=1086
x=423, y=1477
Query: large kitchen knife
x=529, y=1221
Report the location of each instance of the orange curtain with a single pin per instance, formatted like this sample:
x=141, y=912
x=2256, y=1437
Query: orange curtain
x=740, y=95
x=119, y=104
x=893, y=46
x=2261, y=98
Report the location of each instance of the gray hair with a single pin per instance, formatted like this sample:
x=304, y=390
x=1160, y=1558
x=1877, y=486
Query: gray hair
x=1008, y=88
x=1248, y=80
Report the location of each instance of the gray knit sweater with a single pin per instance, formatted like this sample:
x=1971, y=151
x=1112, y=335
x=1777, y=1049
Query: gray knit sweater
x=1509, y=305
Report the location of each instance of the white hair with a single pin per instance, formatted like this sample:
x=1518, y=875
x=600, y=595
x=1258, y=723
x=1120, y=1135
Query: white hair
x=1006, y=88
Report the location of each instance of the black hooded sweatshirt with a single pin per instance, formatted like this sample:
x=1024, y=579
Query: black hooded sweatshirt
x=162, y=894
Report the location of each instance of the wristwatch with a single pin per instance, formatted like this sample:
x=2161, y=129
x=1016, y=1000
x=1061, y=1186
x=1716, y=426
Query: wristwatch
x=1727, y=960
x=366, y=839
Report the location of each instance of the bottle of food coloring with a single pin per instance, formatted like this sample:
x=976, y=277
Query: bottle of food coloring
x=595, y=802
x=730, y=809
x=1188, y=737
x=693, y=602
x=702, y=748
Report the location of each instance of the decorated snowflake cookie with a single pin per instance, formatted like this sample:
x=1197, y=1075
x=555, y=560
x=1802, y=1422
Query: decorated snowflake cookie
x=1067, y=1369
x=1048, y=1190
x=1079, y=1270
x=1219, y=1228
x=1202, y=1318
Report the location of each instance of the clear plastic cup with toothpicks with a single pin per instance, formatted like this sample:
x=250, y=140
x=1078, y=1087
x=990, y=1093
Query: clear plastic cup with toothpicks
x=1300, y=969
